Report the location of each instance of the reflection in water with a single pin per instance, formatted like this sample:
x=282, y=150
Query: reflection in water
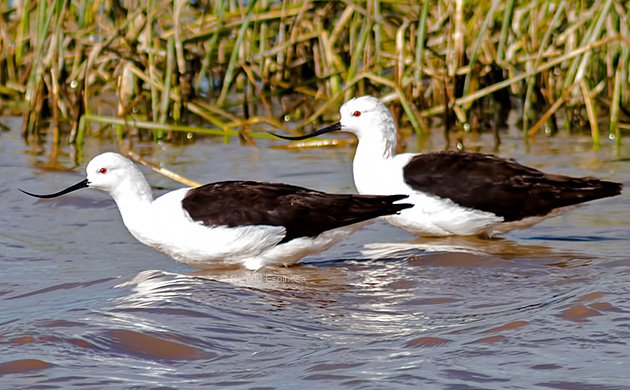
x=468, y=251
x=147, y=346
x=78, y=308
x=400, y=306
x=393, y=320
x=375, y=292
x=23, y=366
x=295, y=278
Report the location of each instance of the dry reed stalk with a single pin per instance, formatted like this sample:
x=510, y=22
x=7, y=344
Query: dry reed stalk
x=163, y=171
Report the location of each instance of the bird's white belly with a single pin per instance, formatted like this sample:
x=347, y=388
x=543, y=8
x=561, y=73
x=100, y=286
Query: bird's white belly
x=166, y=227
x=250, y=246
x=431, y=215
x=201, y=246
x=441, y=217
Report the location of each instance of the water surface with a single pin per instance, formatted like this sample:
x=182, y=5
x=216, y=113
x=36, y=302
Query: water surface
x=84, y=304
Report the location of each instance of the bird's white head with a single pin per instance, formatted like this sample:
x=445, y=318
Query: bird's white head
x=108, y=170
x=372, y=122
x=367, y=118
x=112, y=173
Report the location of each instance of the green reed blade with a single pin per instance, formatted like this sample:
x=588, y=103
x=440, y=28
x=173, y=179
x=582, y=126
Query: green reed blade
x=475, y=52
x=168, y=76
x=229, y=72
x=505, y=28
x=590, y=111
x=421, y=36
x=211, y=43
x=614, y=129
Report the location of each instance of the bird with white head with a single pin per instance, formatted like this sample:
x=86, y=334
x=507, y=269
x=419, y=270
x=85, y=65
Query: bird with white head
x=246, y=223
x=454, y=193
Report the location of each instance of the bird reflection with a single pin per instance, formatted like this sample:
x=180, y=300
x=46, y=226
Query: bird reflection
x=399, y=290
x=470, y=251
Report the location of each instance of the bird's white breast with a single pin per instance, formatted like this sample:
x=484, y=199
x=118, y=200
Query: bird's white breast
x=431, y=215
x=167, y=227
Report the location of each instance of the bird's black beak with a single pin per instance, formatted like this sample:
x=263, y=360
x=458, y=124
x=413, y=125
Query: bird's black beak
x=78, y=186
x=329, y=129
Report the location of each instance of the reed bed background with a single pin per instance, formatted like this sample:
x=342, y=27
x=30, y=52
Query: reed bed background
x=173, y=69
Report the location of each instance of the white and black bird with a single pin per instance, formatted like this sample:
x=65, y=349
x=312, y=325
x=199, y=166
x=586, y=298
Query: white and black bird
x=245, y=223
x=454, y=193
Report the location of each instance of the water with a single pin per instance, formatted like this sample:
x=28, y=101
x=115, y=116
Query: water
x=84, y=304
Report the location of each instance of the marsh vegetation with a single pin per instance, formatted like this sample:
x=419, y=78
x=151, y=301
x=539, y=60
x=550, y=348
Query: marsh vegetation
x=171, y=69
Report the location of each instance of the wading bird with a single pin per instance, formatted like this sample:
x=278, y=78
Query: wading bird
x=246, y=223
x=454, y=193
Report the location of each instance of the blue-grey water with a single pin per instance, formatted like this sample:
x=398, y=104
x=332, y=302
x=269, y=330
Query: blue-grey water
x=82, y=304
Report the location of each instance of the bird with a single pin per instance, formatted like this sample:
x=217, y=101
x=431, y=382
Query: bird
x=454, y=192
x=231, y=223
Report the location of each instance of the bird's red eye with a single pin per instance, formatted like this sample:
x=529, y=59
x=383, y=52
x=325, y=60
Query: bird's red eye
x=356, y=113
x=102, y=170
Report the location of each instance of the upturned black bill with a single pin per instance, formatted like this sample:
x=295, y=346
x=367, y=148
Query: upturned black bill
x=335, y=127
x=78, y=186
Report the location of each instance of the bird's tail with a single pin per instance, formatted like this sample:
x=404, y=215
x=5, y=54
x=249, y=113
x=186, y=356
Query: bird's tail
x=384, y=204
x=592, y=189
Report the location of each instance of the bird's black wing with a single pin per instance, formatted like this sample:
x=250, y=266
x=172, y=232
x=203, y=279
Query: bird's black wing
x=502, y=187
x=303, y=212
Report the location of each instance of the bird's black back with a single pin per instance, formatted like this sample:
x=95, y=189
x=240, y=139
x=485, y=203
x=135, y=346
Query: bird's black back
x=303, y=212
x=503, y=187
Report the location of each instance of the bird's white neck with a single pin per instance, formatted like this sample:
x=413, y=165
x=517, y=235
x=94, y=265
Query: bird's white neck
x=372, y=157
x=132, y=189
x=377, y=139
x=133, y=197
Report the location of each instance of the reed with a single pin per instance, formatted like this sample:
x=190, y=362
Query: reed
x=238, y=68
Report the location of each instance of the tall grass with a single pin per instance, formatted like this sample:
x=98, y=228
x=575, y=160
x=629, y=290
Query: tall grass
x=231, y=67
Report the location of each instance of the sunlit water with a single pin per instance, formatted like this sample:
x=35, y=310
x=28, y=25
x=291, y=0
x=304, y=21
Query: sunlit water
x=84, y=304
